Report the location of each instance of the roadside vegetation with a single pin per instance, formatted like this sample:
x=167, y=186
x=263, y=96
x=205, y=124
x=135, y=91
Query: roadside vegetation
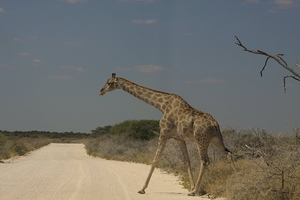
x=268, y=165
x=19, y=143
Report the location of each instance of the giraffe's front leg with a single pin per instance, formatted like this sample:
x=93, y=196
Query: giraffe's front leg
x=161, y=145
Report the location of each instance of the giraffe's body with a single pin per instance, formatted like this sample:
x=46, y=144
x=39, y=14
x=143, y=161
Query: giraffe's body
x=180, y=121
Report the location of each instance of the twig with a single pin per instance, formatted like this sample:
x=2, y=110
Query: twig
x=297, y=64
x=261, y=71
x=289, y=76
x=278, y=58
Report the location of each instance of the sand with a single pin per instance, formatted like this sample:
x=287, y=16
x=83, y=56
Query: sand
x=65, y=171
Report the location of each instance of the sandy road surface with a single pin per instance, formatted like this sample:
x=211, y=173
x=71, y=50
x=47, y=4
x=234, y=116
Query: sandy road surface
x=65, y=171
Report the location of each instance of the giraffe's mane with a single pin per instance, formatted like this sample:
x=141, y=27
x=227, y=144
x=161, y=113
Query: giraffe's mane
x=133, y=83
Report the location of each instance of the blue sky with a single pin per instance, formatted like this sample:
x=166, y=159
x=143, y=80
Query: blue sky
x=56, y=55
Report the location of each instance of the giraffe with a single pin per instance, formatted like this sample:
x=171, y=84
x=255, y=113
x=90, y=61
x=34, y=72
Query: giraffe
x=181, y=122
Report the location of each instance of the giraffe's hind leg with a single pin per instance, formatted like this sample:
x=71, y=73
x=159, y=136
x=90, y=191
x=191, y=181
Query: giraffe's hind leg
x=202, y=148
x=182, y=145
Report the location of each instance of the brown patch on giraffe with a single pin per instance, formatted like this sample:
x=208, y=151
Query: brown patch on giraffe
x=160, y=100
x=148, y=95
x=139, y=92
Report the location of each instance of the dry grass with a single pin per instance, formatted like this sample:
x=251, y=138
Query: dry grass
x=20, y=143
x=17, y=146
x=268, y=167
x=269, y=170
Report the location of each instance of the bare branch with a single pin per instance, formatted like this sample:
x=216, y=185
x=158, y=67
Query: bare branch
x=297, y=64
x=289, y=76
x=261, y=71
x=278, y=58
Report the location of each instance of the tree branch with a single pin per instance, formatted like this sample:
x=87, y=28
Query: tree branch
x=261, y=71
x=278, y=58
x=289, y=76
x=297, y=64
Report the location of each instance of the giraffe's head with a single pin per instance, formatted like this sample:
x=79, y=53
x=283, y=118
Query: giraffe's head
x=111, y=84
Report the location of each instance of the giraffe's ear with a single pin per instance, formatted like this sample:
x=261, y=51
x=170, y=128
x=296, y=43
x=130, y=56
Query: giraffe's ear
x=113, y=75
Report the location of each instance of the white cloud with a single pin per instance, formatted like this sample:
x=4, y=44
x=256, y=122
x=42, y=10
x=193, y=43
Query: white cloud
x=25, y=39
x=143, y=21
x=142, y=1
x=36, y=62
x=69, y=67
x=72, y=43
x=1, y=10
x=206, y=80
x=277, y=4
x=148, y=68
x=74, y=1
x=24, y=54
x=123, y=69
x=284, y=3
x=6, y=66
x=141, y=68
x=32, y=38
x=252, y=1
x=59, y=77
x=17, y=39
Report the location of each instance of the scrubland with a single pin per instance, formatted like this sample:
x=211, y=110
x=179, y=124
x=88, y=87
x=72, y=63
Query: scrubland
x=19, y=143
x=267, y=165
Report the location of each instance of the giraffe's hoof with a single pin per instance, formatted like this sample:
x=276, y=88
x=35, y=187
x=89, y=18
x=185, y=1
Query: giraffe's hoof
x=142, y=192
x=191, y=194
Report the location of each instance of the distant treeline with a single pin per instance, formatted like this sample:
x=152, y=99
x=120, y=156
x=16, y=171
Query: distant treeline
x=36, y=133
x=15, y=143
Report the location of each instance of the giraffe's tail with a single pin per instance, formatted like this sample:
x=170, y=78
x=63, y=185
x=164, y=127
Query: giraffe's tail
x=218, y=143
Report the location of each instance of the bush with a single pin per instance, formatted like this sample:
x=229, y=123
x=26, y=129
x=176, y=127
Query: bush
x=144, y=129
x=137, y=129
x=102, y=130
x=20, y=148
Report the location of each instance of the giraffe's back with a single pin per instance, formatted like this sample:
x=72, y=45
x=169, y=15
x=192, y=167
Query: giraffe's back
x=189, y=123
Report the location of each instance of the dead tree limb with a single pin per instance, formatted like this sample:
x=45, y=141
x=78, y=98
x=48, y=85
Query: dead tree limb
x=278, y=58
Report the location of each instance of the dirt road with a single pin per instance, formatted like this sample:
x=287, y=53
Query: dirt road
x=65, y=171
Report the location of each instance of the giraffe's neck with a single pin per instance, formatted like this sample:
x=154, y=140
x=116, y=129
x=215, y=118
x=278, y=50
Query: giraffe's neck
x=153, y=97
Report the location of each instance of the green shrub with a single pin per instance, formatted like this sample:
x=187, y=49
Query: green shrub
x=101, y=130
x=137, y=129
x=143, y=129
